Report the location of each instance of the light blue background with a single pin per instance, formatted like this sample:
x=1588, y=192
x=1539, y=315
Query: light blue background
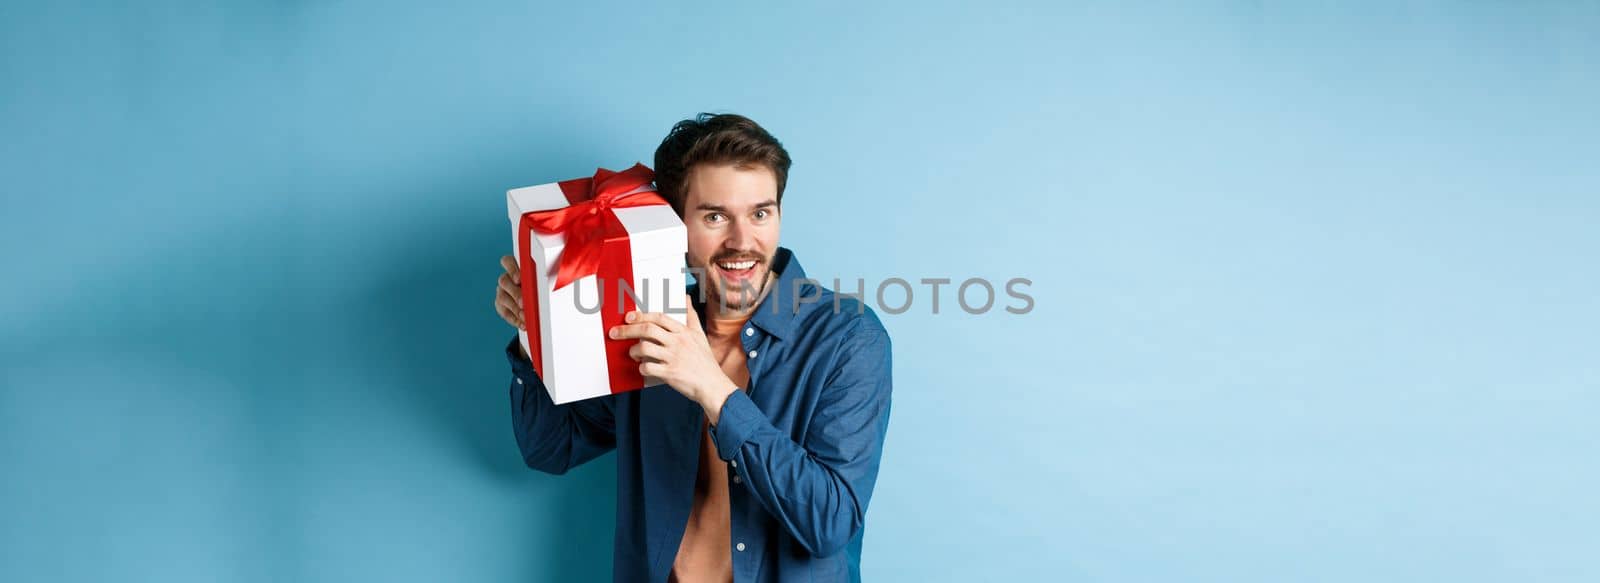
x=1316, y=295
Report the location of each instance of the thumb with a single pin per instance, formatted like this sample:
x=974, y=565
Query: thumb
x=691, y=317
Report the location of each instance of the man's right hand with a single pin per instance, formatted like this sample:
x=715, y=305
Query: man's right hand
x=508, y=297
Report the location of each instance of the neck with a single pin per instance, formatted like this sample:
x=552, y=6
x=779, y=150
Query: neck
x=729, y=313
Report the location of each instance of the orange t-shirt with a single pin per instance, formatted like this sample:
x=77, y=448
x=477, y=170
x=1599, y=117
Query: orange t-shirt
x=705, y=555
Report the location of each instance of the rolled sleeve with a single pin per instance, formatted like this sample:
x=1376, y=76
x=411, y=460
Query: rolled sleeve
x=555, y=438
x=739, y=419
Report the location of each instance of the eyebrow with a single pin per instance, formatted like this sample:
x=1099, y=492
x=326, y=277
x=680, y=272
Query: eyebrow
x=722, y=209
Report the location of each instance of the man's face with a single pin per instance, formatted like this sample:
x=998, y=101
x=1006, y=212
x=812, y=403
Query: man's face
x=732, y=218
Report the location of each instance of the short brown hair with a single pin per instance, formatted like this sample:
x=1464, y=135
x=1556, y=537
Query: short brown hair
x=715, y=139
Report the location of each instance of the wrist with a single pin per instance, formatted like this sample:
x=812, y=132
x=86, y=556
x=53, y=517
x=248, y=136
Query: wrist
x=714, y=397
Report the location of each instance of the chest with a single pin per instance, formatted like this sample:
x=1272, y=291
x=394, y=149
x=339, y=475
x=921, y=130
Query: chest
x=730, y=355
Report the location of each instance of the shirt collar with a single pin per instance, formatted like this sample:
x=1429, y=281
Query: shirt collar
x=778, y=311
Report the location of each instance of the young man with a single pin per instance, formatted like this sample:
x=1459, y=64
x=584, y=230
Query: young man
x=759, y=461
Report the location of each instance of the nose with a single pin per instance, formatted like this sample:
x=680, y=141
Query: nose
x=741, y=237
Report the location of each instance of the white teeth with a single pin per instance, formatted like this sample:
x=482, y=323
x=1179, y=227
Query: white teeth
x=740, y=266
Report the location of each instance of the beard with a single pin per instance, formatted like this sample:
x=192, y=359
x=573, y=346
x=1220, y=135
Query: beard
x=741, y=294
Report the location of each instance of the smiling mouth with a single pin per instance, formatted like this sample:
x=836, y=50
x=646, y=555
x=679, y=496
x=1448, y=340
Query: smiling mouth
x=737, y=269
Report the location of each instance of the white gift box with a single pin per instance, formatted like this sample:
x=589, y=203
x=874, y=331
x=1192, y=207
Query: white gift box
x=572, y=335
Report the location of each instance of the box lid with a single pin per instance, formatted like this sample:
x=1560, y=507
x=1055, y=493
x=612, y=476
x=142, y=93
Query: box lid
x=654, y=231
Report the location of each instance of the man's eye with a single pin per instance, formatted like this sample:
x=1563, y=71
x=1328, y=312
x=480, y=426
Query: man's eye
x=715, y=218
x=762, y=214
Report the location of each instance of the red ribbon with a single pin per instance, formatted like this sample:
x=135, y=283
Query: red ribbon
x=596, y=244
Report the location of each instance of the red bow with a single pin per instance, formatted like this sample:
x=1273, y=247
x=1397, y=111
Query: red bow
x=588, y=222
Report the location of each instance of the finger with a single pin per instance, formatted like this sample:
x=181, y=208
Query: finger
x=508, y=314
x=510, y=287
x=642, y=331
x=504, y=301
x=652, y=369
x=691, y=317
x=648, y=352
x=656, y=318
x=509, y=264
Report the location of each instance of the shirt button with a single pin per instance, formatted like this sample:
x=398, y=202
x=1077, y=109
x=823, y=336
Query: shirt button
x=752, y=354
x=519, y=380
x=736, y=479
x=749, y=331
x=734, y=463
x=739, y=546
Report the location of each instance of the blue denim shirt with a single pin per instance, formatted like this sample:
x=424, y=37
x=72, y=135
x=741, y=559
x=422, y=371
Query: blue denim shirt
x=802, y=442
